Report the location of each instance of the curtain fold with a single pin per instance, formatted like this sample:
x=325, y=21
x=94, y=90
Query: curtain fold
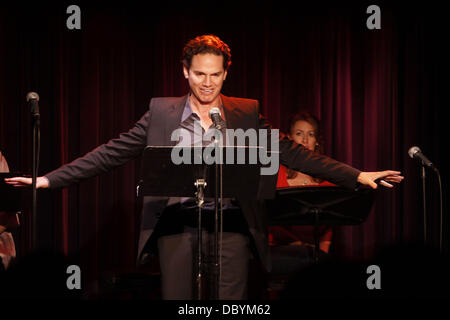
x=376, y=92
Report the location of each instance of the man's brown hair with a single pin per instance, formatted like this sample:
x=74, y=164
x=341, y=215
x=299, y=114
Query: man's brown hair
x=208, y=43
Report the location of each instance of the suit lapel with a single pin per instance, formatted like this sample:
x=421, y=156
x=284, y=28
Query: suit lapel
x=174, y=118
x=231, y=115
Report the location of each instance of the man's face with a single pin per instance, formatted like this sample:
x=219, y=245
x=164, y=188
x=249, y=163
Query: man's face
x=205, y=76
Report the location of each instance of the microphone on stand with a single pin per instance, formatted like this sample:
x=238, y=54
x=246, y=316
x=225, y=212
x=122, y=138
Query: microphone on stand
x=216, y=118
x=33, y=99
x=416, y=153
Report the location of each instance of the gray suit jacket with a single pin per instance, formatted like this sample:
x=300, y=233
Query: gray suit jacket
x=155, y=128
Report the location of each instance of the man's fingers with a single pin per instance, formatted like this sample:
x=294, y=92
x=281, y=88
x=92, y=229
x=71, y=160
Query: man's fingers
x=14, y=182
x=41, y=182
x=372, y=184
x=17, y=184
x=390, y=176
x=394, y=178
x=385, y=184
x=391, y=173
x=18, y=181
x=384, y=178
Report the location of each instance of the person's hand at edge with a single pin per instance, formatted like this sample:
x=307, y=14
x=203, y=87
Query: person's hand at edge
x=385, y=178
x=41, y=182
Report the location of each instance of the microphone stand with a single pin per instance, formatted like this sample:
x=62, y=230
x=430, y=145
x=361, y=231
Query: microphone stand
x=423, y=176
x=218, y=199
x=33, y=99
x=415, y=153
x=35, y=165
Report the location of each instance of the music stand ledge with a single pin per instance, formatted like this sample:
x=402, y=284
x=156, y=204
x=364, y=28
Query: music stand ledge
x=327, y=205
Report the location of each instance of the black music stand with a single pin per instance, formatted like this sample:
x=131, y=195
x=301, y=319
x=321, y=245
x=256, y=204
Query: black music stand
x=9, y=195
x=196, y=179
x=320, y=205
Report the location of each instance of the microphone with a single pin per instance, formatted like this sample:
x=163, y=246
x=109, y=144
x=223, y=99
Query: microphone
x=32, y=99
x=216, y=118
x=416, y=153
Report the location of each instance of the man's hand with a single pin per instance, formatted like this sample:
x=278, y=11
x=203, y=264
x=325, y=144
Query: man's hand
x=41, y=182
x=384, y=177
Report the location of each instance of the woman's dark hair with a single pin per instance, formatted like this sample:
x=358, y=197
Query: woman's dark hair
x=208, y=43
x=314, y=122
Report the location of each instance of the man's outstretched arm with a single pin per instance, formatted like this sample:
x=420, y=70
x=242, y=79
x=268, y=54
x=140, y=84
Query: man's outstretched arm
x=105, y=157
x=299, y=158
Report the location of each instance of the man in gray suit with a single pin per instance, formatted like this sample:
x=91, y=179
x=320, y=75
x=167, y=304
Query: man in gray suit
x=168, y=225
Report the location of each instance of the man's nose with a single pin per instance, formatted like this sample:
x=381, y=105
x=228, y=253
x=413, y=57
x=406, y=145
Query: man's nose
x=207, y=81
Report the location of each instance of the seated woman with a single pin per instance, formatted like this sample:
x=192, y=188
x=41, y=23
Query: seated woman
x=292, y=245
x=8, y=221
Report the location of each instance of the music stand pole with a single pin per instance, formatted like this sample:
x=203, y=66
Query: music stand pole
x=200, y=184
x=316, y=236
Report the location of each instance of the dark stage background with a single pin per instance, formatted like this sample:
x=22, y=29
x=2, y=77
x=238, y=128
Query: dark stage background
x=377, y=93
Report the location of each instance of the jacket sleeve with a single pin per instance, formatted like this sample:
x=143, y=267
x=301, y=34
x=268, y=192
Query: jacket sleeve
x=112, y=154
x=297, y=157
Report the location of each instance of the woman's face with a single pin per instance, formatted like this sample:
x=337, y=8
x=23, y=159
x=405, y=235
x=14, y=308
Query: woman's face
x=303, y=133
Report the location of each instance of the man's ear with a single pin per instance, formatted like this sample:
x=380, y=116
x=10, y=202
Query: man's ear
x=185, y=72
x=225, y=74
